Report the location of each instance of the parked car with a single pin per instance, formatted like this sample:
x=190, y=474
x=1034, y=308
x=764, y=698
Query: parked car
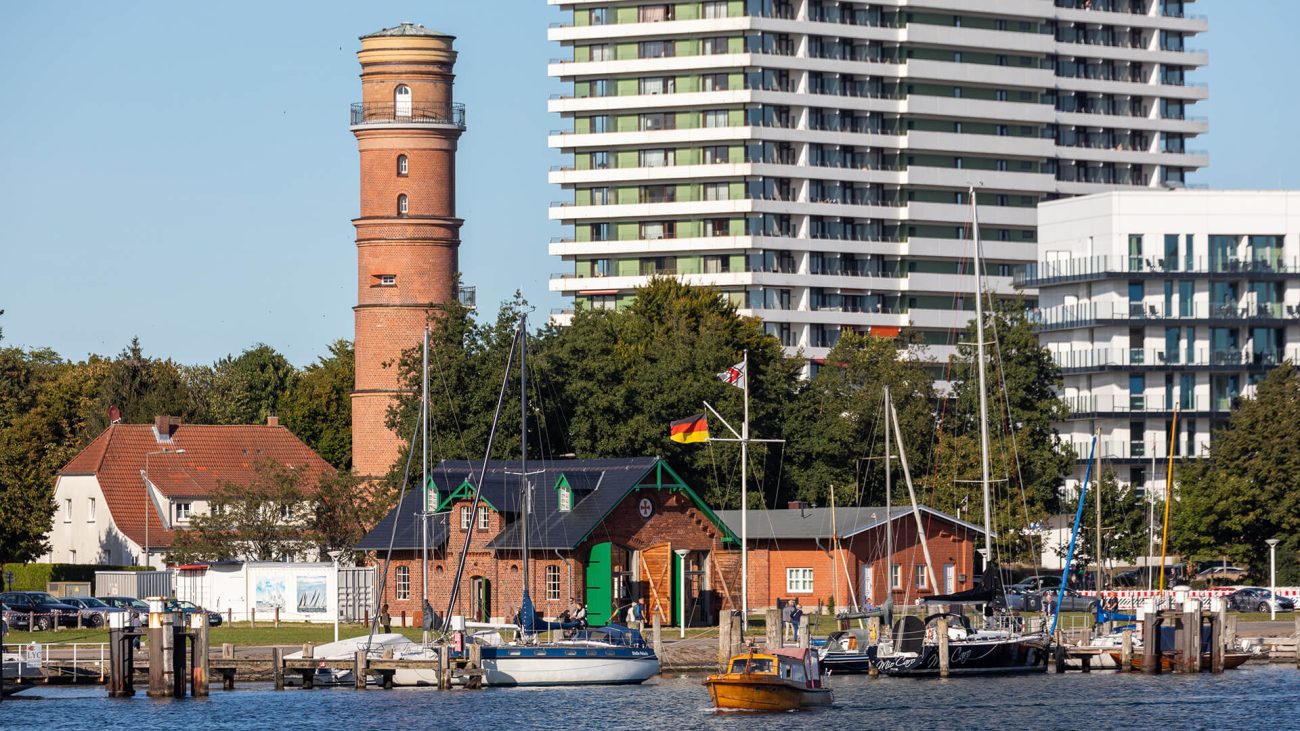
x=1032, y=601
x=1255, y=599
x=44, y=609
x=13, y=620
x=94, y=613
x=188, y=608
x=1222, y=574
x=1035, y=583
x=138, y=607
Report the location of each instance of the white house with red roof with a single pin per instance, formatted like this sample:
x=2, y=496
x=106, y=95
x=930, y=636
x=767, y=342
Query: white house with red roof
x=122, y=498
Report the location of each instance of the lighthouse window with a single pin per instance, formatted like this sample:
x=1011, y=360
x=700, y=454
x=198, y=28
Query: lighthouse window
x=402, y=101
x=402, y=205
x=401, y=165
x=388, y=280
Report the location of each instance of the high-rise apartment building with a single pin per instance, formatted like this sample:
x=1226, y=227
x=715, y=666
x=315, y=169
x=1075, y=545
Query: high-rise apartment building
x=811, y=158
x=407, y=127
x=1156, y=301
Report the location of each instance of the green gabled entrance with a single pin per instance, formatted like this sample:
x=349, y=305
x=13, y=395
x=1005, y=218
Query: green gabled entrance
x=600, y=584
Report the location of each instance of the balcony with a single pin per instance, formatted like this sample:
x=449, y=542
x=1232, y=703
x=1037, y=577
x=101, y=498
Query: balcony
x=1126, y=359
x=1092, y=314
x=1084, y=269
x=381, y=114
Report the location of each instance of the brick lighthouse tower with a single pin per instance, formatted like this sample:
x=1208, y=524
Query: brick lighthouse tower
x=407, y=127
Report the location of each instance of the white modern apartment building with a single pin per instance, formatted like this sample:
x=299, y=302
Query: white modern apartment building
x=1151, y=300
x=811, y=158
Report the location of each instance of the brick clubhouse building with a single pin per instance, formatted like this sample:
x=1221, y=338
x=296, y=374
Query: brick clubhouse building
x=610, y=531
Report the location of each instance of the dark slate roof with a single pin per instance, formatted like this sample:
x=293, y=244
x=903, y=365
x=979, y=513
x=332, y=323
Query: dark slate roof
x=813, y=523
x=407, y=29
x=598, y=486
x=407, y=516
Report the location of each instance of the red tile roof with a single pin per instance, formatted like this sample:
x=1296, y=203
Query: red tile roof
x=213, y=454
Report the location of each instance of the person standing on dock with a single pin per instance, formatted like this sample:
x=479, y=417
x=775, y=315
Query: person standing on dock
x=385, y=619
x=787, y=616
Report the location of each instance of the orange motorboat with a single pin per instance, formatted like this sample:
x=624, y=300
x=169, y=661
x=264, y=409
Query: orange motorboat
x=778, y=680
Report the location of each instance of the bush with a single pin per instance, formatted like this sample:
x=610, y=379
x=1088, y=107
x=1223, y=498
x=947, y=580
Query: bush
x=37, y=576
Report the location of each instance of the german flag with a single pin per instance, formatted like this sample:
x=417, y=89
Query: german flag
x=690, y=430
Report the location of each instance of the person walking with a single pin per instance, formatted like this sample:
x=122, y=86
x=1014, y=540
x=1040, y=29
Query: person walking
x=385, y=619
x=787, y=616
x=636, y=615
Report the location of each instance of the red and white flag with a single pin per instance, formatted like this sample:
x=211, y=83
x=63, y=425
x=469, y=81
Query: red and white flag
x=734, y=375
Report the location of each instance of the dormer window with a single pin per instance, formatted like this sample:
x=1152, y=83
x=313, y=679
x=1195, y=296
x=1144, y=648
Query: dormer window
x=566, y=499
x=466, y=515
x=484, y=520
x=182, y=512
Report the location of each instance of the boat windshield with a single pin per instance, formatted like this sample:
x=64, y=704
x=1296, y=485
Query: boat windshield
x=752, y=665
x=793, y=670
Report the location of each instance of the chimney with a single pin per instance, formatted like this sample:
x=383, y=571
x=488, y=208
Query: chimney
x=164, y=427
x=272, y=421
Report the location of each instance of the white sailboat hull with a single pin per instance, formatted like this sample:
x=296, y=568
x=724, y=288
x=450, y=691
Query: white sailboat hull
x=569, y=670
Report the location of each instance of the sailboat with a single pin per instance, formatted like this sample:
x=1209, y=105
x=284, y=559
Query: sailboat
x=998, y=646
x=610, y=655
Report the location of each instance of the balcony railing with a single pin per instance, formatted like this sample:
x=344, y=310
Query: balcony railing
x=1142, y=404
x=1094, y=267
x=1087, y=314
x=1102, y=358
x=383, y=113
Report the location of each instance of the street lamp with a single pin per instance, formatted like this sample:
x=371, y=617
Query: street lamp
x=681, y=591
x=1272, y=580
x=144, y=477
x=334, y=558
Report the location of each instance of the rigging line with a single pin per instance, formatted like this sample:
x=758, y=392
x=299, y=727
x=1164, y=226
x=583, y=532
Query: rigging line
x=455, y=416
x=392, y=535
x=478, y=487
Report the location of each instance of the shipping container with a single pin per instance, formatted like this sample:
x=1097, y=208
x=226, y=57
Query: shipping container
x=136, y=584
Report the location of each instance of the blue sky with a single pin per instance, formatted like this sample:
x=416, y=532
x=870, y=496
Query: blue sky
x=184, y=172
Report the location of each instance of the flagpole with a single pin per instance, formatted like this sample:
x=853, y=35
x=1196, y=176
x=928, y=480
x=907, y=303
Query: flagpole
x=744, y=501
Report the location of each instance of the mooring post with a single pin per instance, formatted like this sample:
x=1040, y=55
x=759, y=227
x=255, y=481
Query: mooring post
x=277, y=667
x=158, y=687
x=444, y=668
x=1230, y=630
x=941, y=629
x=180, y=642
x=804, y=632
x=202, y=670
x=359, y=670
x=1296, y=636
x=276, y=620
x=724, y=637
x=873, y=638
x=1058, y=650
x=1216, y=640
x=657, y=636
x=775, y=632
x=119, y=652
x=1192, y=622
x=1126, y=651
x=1151, y=643
x=228, y=650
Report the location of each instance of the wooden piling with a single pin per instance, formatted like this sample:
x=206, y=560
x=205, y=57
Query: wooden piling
x=804, y=632
x=276, y=620
x=308, y=650
x=444, y=667
x=228, y=650
x=180, y=639
x=657, y=636
x=158, y=687
x=775, y=632
x=1126, y=651
x=1216, y=642
x=1192, y=636
x=941, y=629
x=725, y=623
x=277, y=667
x=1296, y=636
x=1151, y=644
x=1230, y=630
x=201, y=672
x=359, y=670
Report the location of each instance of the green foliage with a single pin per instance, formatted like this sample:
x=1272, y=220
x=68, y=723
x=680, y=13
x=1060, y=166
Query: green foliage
x=1123, y=523
x=318, y=407
x=250, y=387
x=835, y=429
x=343, y=510
x=142, y=388
x=1244, y=493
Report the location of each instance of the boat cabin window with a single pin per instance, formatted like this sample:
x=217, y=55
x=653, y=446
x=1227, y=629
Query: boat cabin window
x=752, y=665
x=792, y=669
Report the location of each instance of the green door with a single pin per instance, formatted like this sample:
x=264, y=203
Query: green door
x=600, y=585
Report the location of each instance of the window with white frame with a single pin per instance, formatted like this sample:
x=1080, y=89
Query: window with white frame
x=657, y=158
x=403, y=204
x=602, y=52
x=896, y=576
x=402, y=101
x=90, y=510
x=717, y=191
x=715, y=118
x=553, y=583
x=920, y=577
x=286, y=512
x=799, y=581
x=402, y=166
x=388, y=280
x=565, y=499
x=403, y=588
x=466, y=515
x=484, y=520
x=714, y=8
x=183, y=512
x=67, y=510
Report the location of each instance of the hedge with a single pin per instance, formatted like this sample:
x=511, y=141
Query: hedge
x=37, y=576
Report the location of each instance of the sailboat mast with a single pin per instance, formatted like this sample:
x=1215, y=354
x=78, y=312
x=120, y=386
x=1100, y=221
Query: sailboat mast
x=744, y=500
x=984, y=398
x=424, y=469
x=911, y=493
x=523, y=444
x=1172, y=440
x=1097, y=498
x=889, y=508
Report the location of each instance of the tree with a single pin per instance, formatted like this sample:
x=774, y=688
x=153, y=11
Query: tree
x=835, y=426
x=268, y=518
x=142, y=388
x=344, y=510
x=318, y=406
x=250, y=387
x=619, y=377
x=1123, y=523
x=1228, y=504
